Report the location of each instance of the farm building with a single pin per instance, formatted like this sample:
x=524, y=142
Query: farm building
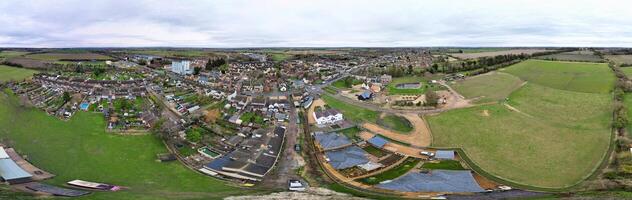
x=377, y=141
x=366, y=95
x=347, y=157
x=10, y=171
x=454, y=181
x=332, y=140
x=444, y=155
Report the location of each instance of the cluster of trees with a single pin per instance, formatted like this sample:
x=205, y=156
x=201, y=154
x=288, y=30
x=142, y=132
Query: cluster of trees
x=214, y=63
x=432, y=98
x=473, y=64
x=622, y=85
x=443, y=65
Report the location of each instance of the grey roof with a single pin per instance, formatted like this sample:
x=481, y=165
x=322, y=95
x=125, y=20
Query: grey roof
x=10, y=171
x=435, y=181
x=331, y=140
x=444, y=154
x=326, y=113
x=347, y=157
x=377, y=141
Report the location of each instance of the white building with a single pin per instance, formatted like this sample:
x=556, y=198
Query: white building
x=181, y=67
x=328, y=116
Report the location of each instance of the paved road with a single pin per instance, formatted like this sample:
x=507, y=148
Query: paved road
x=289, y=159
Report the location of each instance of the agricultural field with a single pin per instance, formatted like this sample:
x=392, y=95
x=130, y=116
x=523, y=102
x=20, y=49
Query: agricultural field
x=478, y=54
x=493, y=86
x=102, y=157
x=393, y=90
x=573, y=76
x=8, y=73
x=351, y=112
x=10, y=54
x=620, y=59
x=581, y=56
x=175, y=53
x=627, y=71
x=67, y=56
x=539, y=138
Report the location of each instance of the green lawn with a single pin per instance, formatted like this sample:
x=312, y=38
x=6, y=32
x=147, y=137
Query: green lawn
x=351, y=112
x=555, y=141
x=81, y=149
x=351, y=133
x=627, y=71
x=396, y=123
x=393, y=90
x=573, y=76
x=392, y=173
x=346, y=83
x=444, y=164
x=8, y=73
x=277, y=57
x=488, y=87
x=10, y=54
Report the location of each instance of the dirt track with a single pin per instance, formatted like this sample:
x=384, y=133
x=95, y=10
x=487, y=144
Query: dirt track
x=419, y=137
x=310, y=112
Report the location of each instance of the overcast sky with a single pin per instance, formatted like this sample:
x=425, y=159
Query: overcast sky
x=292, y=23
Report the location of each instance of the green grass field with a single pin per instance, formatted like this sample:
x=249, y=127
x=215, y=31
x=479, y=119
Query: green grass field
x=620, y=59
x=573, y=76
x=395, y=123
x=627, y=71
x=81, y=149
x=488, y=87
x=73, y=56
x=10, y=54
x=351, y=112
x=547, y=142
x=444, y=164
x=582, y=56
x=8, y=73
x=392, y=173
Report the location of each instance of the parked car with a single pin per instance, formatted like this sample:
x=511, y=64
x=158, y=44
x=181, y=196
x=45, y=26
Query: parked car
x=297, y=147
x=295, y=185
x=427, y=153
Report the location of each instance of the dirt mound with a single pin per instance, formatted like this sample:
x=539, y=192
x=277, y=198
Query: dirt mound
x=211, y=115
x=485, y=113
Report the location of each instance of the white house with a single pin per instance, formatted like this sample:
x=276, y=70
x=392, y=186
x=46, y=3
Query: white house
x=328, y=116
x=181, y=67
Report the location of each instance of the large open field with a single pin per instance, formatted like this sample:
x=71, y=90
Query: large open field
x=627, y=71
x=495, y=53
x=539, y=138
x=8, y=73
x=67, y=56
x=351, y=112
x=583, y=56
x=493, y=86
x=547, y=143
x=81, y=149
x=620, y=59
x=573, y=76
